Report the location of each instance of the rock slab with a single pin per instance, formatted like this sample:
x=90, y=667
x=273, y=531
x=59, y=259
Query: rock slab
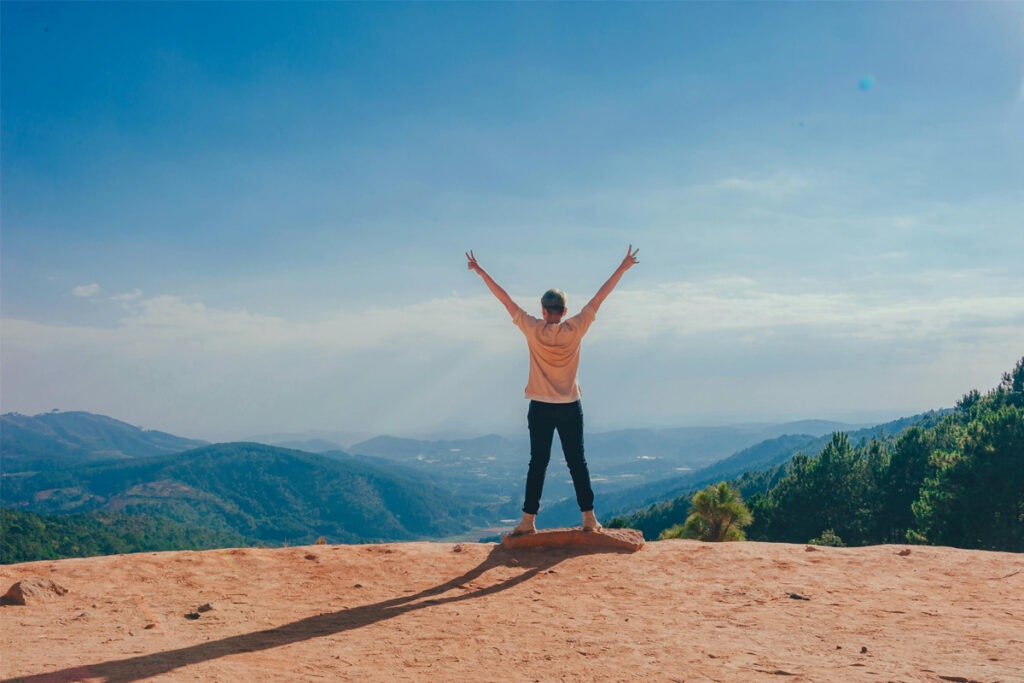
x=32, y=590
x=622, y=539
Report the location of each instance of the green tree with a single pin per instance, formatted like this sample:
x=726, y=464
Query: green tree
x=831, y=491
x=828, y=537
x=956, y=478
x=717, y=513
x=974, y=494
x=900, y=487
x=975, y=499
x=1013, y=384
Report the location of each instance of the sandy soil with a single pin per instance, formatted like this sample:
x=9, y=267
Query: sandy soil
x=674, y=611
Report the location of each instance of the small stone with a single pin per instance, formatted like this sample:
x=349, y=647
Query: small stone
x=32, y=590
x=149, y=626
x=904, y=552
x=204, y=607
x=192, y=615
x=863, y=649
x=310, y=556
x=810, y=549
x=358, y=585
x=458, y=548
x=797, y=596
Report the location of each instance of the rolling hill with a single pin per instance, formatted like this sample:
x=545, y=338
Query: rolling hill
x=271, y=495
x=29, y=442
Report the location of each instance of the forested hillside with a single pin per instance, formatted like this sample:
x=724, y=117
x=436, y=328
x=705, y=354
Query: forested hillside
x=271, y=495
x=669, y=498
x=959, y=482
x=26, y=536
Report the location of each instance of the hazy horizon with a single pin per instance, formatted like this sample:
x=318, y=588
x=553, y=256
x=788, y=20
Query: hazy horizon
x=228, y=219
x=347, y=438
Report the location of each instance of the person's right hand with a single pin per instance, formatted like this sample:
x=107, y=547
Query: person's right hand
x=630, y=260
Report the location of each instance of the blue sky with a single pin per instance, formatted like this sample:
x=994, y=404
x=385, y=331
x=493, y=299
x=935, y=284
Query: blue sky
x=226, y=219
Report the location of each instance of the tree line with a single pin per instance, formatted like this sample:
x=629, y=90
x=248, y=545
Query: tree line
x=27, y=537
x=958, y=482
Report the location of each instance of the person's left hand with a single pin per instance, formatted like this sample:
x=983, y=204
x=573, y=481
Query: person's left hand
x=473, y=265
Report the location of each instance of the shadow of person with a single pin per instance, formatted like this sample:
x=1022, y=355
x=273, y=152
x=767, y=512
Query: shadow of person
x=531, y=562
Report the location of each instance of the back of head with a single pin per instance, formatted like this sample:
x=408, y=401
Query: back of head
x=553, y=300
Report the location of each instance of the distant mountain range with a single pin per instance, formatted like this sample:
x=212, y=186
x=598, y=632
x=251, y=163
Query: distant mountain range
x=315, y=440
x=495, y=466
x=384, y=488
x=27, y=442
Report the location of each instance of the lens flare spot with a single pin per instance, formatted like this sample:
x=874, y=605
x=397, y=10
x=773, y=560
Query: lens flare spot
x=866, y=83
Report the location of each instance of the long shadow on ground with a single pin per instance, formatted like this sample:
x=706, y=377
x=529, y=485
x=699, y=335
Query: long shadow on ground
x=532, y=562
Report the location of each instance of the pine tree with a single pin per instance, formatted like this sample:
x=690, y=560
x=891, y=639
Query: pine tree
x=716, y=514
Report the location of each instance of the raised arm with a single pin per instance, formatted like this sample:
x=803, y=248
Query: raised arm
x=495, y=288
x=628, y=262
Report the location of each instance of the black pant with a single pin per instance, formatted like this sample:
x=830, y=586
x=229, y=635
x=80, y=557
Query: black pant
x=543, y=419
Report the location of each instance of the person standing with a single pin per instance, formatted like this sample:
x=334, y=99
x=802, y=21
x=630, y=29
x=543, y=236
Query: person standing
x=553, y=387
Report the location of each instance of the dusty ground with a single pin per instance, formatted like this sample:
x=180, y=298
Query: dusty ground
x=674, y=611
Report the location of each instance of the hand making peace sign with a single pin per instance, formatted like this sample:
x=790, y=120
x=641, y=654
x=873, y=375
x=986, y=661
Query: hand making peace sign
x=630, y=260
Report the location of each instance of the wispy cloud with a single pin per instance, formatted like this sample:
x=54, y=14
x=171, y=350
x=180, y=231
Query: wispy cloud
x=86, y=290
x=170, y=323
x=723, y=306
x=777, y=186
x=385, y=368
x=128, y=296
x=728, y=306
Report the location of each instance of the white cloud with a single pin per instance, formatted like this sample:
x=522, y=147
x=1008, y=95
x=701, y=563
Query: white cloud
x=128, y=296
x=663, y=353
x=169, y=323
x=724, y=306
x=86, y=290
x=728, y=306
x=777, y=186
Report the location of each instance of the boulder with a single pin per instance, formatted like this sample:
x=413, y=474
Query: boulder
x=32, y=590
x=621, y=539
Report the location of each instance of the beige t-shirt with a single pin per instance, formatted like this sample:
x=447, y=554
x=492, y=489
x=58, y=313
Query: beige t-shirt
x=554, y=354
